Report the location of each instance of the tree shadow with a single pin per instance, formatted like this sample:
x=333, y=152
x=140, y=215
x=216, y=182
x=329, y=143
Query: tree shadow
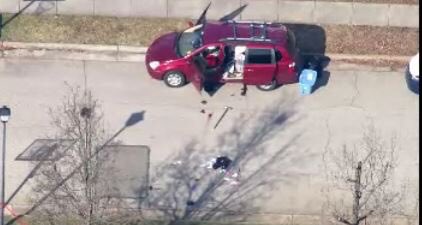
x=212, y=87
x=310, y=38
x=183, y=190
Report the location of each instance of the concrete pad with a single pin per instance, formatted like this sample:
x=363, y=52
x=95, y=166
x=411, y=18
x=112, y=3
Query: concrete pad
x=39, y=7
x=370, y=14
x=69, y=55
x=130, y=57
x=333, y=12
x=404, y=15
x=186, y=8
x=128, y=168
x=260, y=10
x=156, y=8
x=9, y=6
x=111, y=8
x=220, y=8
x=296, y=12
x=76, y=7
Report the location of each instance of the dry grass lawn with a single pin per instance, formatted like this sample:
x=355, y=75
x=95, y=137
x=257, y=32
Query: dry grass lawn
x=142, y=31
x=88, y=29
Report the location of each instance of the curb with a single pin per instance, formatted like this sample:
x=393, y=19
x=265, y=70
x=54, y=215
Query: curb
x=81, y=47
x=72, y=51
x=121, y=52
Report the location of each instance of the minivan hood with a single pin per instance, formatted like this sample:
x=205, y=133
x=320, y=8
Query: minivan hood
x=163, y=48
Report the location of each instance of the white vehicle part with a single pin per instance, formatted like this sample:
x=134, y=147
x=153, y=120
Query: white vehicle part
x=414, y=67
x=154, y=64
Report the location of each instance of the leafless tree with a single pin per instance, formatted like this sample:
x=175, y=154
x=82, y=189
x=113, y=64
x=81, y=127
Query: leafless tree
x=85, y=197
x=361, y=181
x=182, y=190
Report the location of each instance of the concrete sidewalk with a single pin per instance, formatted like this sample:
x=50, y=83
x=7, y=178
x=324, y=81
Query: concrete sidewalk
x=320, y=12
x=122, y=53
x=73, y=51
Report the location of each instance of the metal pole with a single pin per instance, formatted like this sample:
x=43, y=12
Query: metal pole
x=74, y=171
x=3, y=174
x=16, y=15
x=133, y=119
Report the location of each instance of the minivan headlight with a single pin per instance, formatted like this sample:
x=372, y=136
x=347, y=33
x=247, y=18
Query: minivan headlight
x=154, y=64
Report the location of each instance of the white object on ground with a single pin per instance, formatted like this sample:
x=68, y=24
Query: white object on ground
x=209, y=163
x=176, y=163
x=232, y=177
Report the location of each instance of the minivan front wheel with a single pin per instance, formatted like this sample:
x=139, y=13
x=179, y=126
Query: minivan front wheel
x=268, y=87
x=174, y=79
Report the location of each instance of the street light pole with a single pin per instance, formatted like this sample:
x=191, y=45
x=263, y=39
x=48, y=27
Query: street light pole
x=4, y=117
x=3, y=173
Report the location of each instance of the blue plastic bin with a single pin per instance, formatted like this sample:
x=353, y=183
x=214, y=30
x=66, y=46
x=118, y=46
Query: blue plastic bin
x=305, y=89
x=307, y=79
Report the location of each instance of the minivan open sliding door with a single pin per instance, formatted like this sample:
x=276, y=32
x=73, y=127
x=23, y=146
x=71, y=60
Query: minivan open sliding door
x=260, y=66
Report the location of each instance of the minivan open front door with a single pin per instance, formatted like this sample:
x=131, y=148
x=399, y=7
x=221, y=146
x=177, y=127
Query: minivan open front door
x=206, y=68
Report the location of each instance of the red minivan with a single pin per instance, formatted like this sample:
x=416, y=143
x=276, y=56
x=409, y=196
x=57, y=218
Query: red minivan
x=246, y=52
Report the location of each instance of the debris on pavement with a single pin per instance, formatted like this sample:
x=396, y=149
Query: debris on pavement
x=226, y=109
x=244, y=90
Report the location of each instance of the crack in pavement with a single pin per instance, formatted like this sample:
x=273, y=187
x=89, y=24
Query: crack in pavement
x=326, y=148
x=85, y=76
x=355, y=85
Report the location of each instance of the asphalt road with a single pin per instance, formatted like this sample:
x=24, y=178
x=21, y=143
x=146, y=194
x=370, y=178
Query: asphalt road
x=335, y=114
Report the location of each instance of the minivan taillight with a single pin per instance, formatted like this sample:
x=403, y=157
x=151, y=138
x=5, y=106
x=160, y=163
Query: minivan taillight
x=291, y=65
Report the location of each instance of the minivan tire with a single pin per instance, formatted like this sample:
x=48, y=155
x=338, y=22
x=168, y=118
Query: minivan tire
x=174, y=79
x=268, y=87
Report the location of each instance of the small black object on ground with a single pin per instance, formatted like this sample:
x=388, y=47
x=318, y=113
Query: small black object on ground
x=222, y=162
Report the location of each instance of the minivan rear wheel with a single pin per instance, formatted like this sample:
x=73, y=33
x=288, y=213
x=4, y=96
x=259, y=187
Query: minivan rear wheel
x=174, y=79
x=268, y=87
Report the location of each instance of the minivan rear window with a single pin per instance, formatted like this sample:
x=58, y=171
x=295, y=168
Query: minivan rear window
x=291, y=42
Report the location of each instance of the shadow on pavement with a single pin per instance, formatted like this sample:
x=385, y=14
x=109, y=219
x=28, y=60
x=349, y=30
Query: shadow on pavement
x=310, y=39
x=44, y=7
x=212, y=87
x=322, y=80
x=184, y=190
x=311, y=42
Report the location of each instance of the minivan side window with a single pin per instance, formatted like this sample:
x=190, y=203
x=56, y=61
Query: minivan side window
x=259, y=56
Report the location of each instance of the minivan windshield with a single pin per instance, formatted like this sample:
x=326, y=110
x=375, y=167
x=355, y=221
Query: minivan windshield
x=189, y=40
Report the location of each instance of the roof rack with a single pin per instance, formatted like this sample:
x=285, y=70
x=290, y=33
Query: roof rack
x=253, y=26
x=254, y=22
x=254, y=39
